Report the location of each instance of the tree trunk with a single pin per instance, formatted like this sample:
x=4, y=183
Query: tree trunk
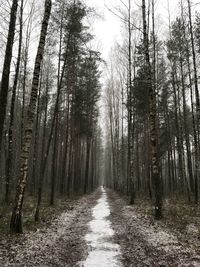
x=130, y=167
x=87, y=165
x=196, y=96
x=16, y=219
x=54, y=160
x=6, y=67
x=153, y=123
x=41, y=175
x=36, y=137
x=65, y=152
x=186, y=130
x=12, y=111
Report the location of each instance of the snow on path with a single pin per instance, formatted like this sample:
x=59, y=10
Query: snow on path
x=103, y=251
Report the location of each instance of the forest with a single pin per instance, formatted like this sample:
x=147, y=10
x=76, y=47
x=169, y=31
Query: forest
x=99, y=133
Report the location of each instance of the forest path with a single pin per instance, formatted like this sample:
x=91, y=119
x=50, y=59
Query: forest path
x=103, y=251
x=100, y=230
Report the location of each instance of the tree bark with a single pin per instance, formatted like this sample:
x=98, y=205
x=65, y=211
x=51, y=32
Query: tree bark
x=12, y=110
x=36, y=137
x=153, y=123
x=41, y=175
x=196, y=96
x=54, y=160
x=16, y=218
x=6, y=67
x=87, y=164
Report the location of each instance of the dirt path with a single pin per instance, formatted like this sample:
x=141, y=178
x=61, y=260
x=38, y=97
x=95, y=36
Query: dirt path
x=100, y=230
x=145, y=242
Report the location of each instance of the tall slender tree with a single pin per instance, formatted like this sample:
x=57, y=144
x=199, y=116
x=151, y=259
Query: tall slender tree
x=6, y=67
x=196, y=89
x=12, y=110
x=153, y=121
x=16, y=219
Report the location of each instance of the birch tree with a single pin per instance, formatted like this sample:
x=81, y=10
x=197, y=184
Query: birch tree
x=16, y=218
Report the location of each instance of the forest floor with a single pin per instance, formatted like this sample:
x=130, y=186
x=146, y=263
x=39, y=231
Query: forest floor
x=174, y=241
x=56, y=243
x=129, y=237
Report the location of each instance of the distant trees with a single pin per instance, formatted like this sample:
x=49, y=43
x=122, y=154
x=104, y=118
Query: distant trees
x=59, y=137
x=52, y=146
x=163, y=100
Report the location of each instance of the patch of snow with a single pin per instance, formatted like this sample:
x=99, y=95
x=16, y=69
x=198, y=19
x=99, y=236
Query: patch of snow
x=192, y=229
x=158, y=237
x=103, y=251
x=162, y=238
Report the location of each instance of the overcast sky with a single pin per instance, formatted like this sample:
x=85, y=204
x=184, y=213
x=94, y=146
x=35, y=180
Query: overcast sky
x=108, y=28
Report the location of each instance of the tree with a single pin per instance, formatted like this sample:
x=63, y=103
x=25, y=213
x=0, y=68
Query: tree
x=153, y=121
x=130, y=105
x=6, y=67
x=12, y=109
x=196, y=90
x=16, y=219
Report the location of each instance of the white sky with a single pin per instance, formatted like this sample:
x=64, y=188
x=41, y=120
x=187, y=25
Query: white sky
x=108, y=28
